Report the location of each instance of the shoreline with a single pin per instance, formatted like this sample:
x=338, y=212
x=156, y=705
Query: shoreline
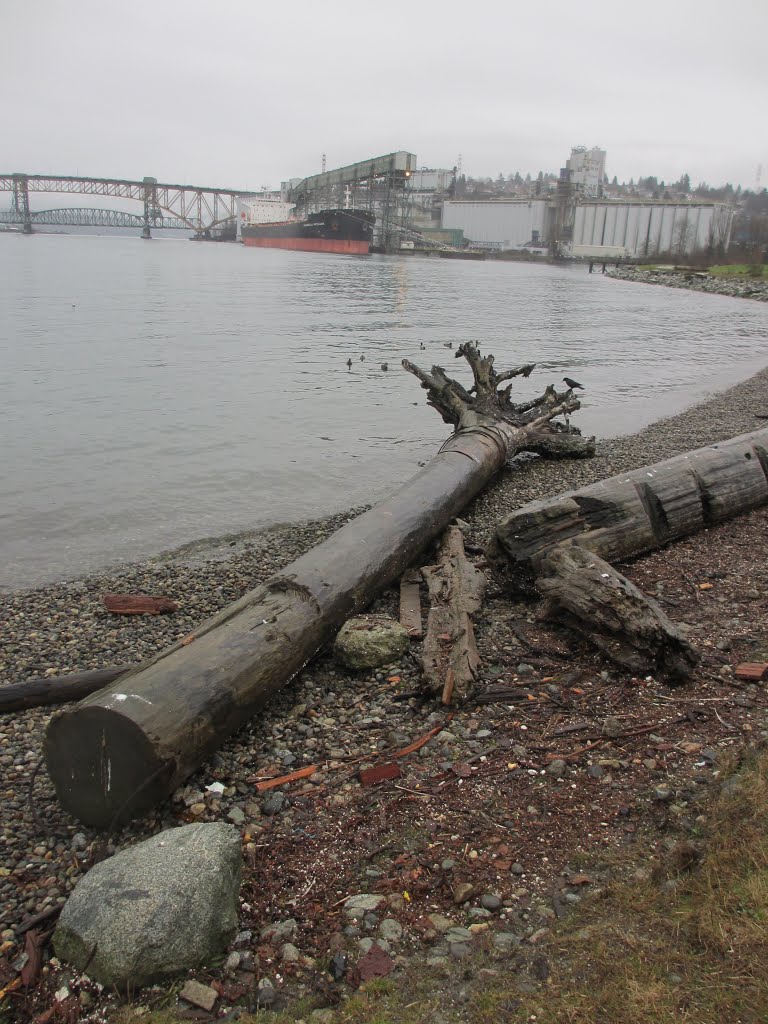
x=529, y=474
x=331, y=717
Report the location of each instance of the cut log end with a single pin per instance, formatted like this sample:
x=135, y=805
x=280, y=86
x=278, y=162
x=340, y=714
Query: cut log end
x=116, y=774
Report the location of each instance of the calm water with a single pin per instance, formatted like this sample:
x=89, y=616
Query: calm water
x=154, y=393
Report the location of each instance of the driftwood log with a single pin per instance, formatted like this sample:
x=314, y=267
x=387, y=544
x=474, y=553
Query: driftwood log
x=122, y=750
x=47, y=690
x=560, y=547
x=632, y=513
x=456, y=588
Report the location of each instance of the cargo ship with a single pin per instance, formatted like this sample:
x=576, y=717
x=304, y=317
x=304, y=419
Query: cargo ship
x=273, y=224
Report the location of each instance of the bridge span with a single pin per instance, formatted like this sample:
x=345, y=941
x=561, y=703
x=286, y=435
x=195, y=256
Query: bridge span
x=196, y=207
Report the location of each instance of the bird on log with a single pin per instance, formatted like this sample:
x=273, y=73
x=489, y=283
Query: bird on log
x=573, y=384
x=128, y=746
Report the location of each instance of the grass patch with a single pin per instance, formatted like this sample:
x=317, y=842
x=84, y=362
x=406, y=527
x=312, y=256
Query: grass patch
x=740, y=270
x=688, y=945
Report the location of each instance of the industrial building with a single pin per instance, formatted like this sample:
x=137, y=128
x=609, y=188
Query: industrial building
x=586, y=168
x=575, y=226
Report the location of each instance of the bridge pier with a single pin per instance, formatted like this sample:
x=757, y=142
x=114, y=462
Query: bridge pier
x=145, y=232
x=21, y=202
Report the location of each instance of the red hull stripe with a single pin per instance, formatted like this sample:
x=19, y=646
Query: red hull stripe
x=310, y=244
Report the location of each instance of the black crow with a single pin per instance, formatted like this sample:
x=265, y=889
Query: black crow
x=573, y=383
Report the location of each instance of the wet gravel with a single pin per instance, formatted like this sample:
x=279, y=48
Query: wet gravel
x=327, y=717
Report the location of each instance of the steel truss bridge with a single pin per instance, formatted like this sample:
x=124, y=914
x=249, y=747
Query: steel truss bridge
x=80, y=217
x=197, y=208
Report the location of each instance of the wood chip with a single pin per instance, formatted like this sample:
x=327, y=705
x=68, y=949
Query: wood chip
x=138, y=604
x=379, y=773
x=752, y=670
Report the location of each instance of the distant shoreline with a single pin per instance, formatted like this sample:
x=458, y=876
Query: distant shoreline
x=735, y=287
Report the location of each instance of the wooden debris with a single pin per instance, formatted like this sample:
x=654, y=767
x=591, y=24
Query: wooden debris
x=379, y=773
x=419, y=743
x=585, y=593
x=57, y=689
x=410, y=605
x=138, y=604
x=34, y=942
x=281, y=780
x=754, y=671
x=450, y=659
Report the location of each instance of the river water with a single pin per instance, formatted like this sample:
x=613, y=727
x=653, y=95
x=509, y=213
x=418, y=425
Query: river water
x=155, y=393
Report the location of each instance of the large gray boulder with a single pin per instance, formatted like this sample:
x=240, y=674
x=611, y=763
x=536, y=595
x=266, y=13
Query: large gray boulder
x=163, y=906
x=369, y=641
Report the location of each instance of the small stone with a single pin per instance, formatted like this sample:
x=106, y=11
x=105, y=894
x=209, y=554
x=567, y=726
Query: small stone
x=612, y=727
x=459, y=950
x=462, y=892
x=490, y=901
x=391, y=930
x=274, y=803
x=236, y=816
x=358, y=905
x=79, y=841
x=517, y=869
x=524, y=669
x=199, y=995
x=448, y=864
x=594, y=771
x=439, y=923
x=457, y=934
x=289, y=953
x=662, y=793
x=506, y=941
x=279, y=931
x=266, y=992
x=232, y=963
x=366, y=945
x=556, y=769
x=650, y=763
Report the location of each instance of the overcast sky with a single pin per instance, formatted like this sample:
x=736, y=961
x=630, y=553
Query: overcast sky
x=244, y=93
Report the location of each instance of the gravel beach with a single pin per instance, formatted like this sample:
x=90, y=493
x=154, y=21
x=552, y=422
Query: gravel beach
x=327, y=716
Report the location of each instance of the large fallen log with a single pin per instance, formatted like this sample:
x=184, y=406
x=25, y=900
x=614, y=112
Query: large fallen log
x=632, y=513
x=122, y=750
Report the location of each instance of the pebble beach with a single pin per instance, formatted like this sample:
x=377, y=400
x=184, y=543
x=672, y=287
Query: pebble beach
x=64, y=627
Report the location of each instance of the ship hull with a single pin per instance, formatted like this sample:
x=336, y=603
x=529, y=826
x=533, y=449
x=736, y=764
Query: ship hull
x=334, y=231
x=311, y=244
